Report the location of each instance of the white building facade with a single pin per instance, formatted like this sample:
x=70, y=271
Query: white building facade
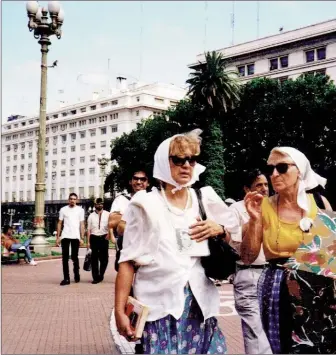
x=284, y=56
x=76, y=137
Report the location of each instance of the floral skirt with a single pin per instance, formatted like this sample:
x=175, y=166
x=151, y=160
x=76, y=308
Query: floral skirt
x=298, y=311
x=187, y=335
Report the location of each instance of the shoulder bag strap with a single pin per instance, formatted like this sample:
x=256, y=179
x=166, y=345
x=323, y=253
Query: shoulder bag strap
x=318, y=200
x=200, y=204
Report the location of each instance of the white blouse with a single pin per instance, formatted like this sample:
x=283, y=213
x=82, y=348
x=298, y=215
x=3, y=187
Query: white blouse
x=150, y=241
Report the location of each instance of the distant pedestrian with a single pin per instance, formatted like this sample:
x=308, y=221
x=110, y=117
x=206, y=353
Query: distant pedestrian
x=12, y=244
x=98, y=237
x=246, y=278
x=72, y=219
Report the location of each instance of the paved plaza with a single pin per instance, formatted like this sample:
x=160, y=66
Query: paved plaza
x=41, y=317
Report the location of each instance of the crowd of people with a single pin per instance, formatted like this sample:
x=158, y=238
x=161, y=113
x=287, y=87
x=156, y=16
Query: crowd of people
x=161, y=239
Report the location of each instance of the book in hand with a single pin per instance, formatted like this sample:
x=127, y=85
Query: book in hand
x=137, y=312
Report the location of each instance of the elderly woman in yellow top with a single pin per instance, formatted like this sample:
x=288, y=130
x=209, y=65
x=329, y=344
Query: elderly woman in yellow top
x=297, y=307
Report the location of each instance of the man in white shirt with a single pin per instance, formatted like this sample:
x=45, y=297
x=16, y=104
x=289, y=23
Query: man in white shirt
x=98, y=240
x=247, y=276
x=138, y=182
x=72, y=219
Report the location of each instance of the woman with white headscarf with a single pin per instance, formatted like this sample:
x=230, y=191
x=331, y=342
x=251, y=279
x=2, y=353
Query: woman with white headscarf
x=162, y=228
x=298, y=308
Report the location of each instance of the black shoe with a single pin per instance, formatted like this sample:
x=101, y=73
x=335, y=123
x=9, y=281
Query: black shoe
x=94, y=282
x=65, y=282
x=77, y=278
x=101, y=278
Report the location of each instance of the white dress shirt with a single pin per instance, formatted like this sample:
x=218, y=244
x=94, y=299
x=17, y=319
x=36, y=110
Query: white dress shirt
x=71, y=217
x=98, y=223
x=150, y=241
x=120, y=203
x=243, y=217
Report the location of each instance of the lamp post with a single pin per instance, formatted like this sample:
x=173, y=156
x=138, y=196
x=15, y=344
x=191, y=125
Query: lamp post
x=43, y=29
x=102, y=162
x=11, y=213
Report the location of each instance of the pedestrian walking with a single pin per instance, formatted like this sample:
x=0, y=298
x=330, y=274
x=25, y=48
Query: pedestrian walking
x=138, y=182
x=165, y=240
x=98, y=237
x=246, y=277
x=71, y=217
x=297, y=307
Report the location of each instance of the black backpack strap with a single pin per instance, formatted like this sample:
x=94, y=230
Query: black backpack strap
x=200, y=204
x=318, y=200
x=128, y=197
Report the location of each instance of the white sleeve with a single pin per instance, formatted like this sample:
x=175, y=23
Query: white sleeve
x=237, y=236
x=61, y=214
x=137, y=241
x=82, y=215
x=218, y=210
x=89, y=222
x=119, y=204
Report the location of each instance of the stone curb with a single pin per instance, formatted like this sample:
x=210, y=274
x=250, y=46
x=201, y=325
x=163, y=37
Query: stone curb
x=123, y=346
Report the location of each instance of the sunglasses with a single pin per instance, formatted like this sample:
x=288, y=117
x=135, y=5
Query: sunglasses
x=181, y=161
x=138, y=178
x=281, y=168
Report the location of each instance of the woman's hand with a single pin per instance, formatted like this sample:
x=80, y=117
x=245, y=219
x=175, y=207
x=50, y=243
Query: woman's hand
x=253, y=202
x=124, y=326
x=202, y=230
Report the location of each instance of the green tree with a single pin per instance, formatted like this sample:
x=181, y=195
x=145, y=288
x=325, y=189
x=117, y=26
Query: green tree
x=215, y=90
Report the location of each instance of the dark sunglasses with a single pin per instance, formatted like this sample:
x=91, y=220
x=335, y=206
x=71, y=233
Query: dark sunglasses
x=137, y=178
x=281, y=168
x=181, y=161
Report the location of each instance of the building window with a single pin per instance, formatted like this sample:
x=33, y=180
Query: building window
x=82, y=159
x=250, y=69
x=30, y=155
x=22, y=156
x=81, y=171
x=103, y=130
x=7, y=178
x=47, y=153
x=92, y=171
x=241, y=70
x=92, y=145
x=114, y=116
x=55, y=116
x=91, y=191
x=7, y=170
x=72, y=161
x=13, y=196
x=315, y=54
x=63, y=138
x=21, y=178
x=31, y=133
x=73, y=137
x=92, y=132
x=54, y=163
x=73, y=148
x=73, y=124
x=158, y=100
x=103, y=144
x=8, y=158
x=63, y=161
x=6, y=196
x=15, y=157
x=46, y=163
x=63, y=149
x=63, y=173
x=29, y=196
x=7, y=148
x=64, y=114
x=274, y=64
x=8, y=138
x=247, y=69
x=93, y=107
x=14, y=178
x=82, y=123
x=114, y=102
x=30, y=167
x=104, y=104
x=92, y=157
x=14, y=169
x=73, y=112
x=22, y=168
x=29, y=176
x=54, y=129
x=46, y=175
x=55, y=140
x=138, y=98
x=137, y=113
x=62, y=194
x=316, y=72
x=30, y=145
x=81, y=192
x=72, y=172
x=21, y=195
x=114, y=128
x=82, y=147
x=82, y=134
x=83, y=109
x=55, y=151
x=284, y=62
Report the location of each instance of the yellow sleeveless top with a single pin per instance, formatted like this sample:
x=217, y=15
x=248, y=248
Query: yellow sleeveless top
x=281, y=239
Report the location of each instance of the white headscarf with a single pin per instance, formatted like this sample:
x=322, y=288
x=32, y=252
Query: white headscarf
x=162, y=168
x=308, y=178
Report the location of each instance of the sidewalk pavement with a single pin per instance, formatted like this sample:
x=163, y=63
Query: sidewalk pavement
x=41, y=317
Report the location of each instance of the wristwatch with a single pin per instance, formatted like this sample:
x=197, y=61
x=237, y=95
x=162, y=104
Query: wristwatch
x=223, y=235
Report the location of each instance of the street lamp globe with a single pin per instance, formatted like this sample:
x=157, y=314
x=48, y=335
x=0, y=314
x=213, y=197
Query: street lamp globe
x=38, y=16
x=32, y=7
x=60, y=16
x=54, y=7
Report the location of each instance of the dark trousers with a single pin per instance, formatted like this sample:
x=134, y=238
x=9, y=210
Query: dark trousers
x=65, y=243
x=99, y=246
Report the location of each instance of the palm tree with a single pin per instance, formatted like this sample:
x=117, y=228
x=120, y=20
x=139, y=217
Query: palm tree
x=214, y=90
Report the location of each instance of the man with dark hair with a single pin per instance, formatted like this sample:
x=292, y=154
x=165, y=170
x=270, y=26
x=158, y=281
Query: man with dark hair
x=12, y=244
x=72, y=219
x=138, y=182
x=247, y=276
x=98, y=240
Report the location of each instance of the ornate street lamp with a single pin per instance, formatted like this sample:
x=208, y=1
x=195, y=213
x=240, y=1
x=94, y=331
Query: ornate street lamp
x=102, y=162
x=43, y=29
x=11, y=213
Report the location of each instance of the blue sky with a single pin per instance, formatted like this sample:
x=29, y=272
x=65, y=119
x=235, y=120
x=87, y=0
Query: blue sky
x=173, y=33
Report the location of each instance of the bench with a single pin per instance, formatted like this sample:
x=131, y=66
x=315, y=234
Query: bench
x=9, y=256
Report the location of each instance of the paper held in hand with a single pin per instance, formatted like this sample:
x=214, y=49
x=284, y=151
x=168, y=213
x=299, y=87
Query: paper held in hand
x=137, y=312
x=188, y=246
